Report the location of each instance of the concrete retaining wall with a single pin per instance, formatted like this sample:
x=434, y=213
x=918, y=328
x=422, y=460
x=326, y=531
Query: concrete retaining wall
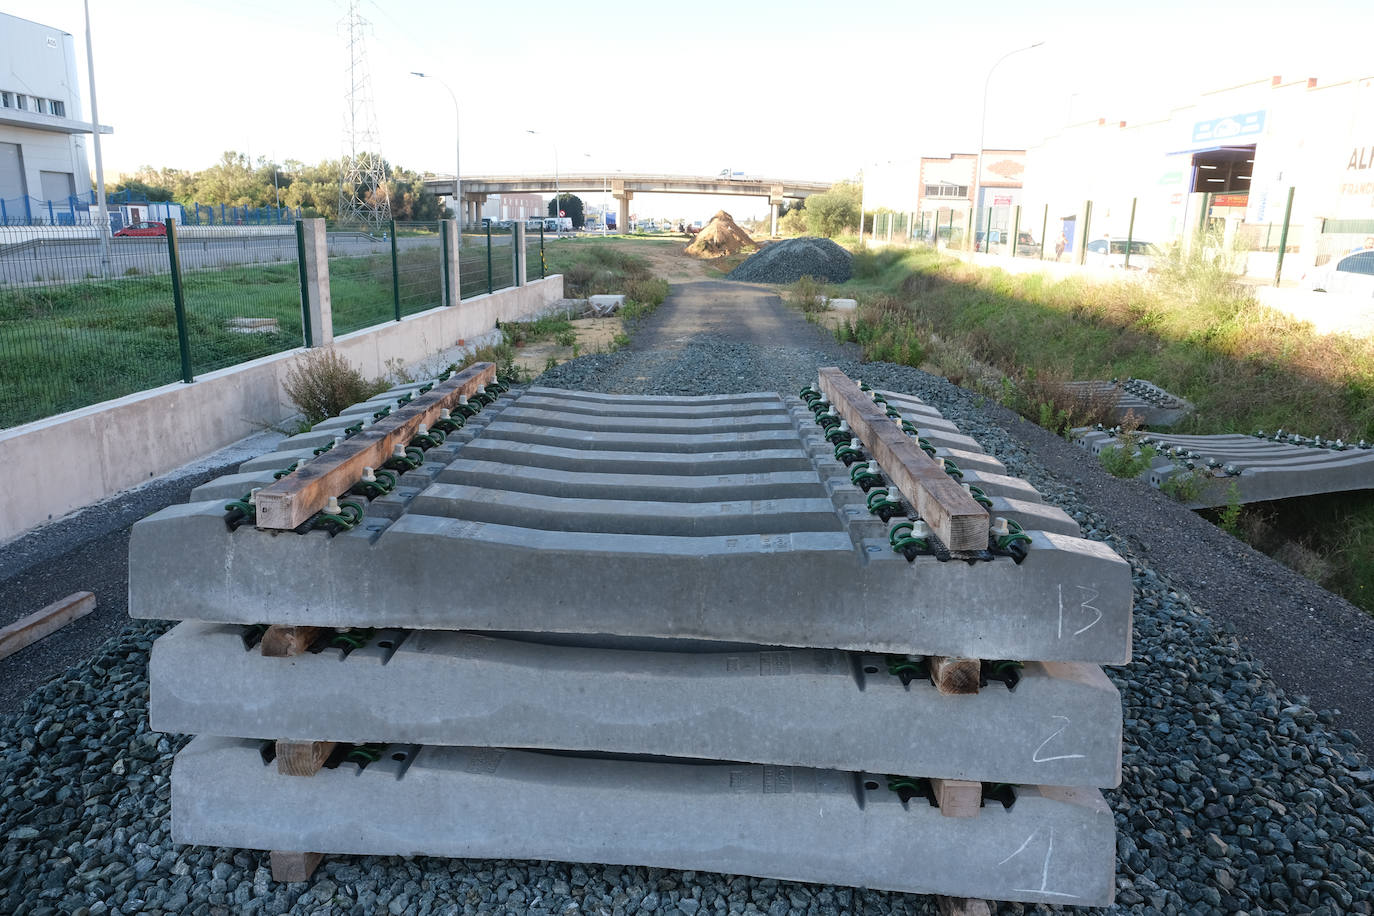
x=118, y=444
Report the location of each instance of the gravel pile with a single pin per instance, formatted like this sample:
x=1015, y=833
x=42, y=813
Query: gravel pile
x=1236, y=798
x=788, y=261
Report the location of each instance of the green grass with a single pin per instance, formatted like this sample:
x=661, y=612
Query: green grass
x=1193, y=331
x=68, y=345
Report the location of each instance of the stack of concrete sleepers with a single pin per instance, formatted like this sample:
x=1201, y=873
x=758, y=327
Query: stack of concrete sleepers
x=584, y=617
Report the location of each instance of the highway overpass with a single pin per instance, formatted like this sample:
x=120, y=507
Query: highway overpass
x=623, y=187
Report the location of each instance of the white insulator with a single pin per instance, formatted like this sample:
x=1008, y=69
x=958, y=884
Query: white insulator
x=253, y=496
x=481, y=389
x=369, y=475
x=919, y=528
x=1000, y=527
x=338, y=439
x=304, y=459
x=421, y=430
x=399, y=451
x=855, y=443
x=445, y=413
x=894, y=494
x=332, y=507
x=462, y=399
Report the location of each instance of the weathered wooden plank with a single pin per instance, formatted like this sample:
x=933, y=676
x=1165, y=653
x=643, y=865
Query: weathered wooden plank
x=299, y=495
x=302, y=758
x=958, y=797
x=284, y=642
x=952, y=514
x=28, y=630
x=291, y=867
x=952, y=674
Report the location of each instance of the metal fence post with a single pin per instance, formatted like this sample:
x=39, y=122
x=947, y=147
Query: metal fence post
x=444, y=246
x=305, y=285
x=1130, y=233
x=518, y=244
x=1081, y=245
x=1015, y=231
x=543, y=264
x=490, y=287
x=179, y=302
x=1283, y=235
x=395, y=273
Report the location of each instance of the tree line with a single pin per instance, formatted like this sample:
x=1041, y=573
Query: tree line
x=237, y=181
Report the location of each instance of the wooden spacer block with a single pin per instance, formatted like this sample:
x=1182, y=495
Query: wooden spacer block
x=28, y=630
x=952, y=674
x=958, y=797
x=291, y=867
x=302, y=758
x=283, y=642
x=962, y=906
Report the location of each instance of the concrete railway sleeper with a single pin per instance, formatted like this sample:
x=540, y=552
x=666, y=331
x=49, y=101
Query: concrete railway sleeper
x=1029, y=722
x=738, y=613
x=1049, y=844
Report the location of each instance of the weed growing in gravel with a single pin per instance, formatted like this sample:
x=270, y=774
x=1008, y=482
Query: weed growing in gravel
x=1127, y=460
x=1185, y=486
x=620, y=341
x=1229, y=517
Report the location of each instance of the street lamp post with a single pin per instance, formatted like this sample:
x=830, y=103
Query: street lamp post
x=457, y=146
x=982, y=134
x=557, y=197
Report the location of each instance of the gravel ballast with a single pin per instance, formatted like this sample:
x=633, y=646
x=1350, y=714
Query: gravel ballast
x=1236, y=797
x=790, y=260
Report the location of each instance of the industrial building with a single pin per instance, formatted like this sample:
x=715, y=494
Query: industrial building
x=44, y=167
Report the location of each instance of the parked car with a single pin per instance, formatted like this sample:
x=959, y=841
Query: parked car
x=1026, y=245
x=142, y=229
x=1350, y=275
x=1142, y=253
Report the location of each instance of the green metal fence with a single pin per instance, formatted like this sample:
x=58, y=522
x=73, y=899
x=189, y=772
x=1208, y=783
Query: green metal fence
x=536, y=265
x=360, y=277
x=85, y=319
x=419, y=257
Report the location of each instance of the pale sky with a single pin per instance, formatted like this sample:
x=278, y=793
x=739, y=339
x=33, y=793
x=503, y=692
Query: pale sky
x=794, y=89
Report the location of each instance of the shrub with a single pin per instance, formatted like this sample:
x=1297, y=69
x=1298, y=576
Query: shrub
x=1126, y=460
x=1185, y=486
x=323, y=383
x=565, y=338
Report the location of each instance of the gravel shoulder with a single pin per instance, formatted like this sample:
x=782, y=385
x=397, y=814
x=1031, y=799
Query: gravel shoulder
x=1239, y=795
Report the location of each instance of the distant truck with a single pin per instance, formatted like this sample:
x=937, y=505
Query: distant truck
x=610, y=222
x=733, y=175
x=558, y=224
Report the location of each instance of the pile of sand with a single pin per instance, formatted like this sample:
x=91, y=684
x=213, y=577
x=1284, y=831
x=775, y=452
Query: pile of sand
x=722, y=236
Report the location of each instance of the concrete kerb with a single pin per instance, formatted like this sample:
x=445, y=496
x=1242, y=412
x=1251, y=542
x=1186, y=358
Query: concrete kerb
x=130, y=440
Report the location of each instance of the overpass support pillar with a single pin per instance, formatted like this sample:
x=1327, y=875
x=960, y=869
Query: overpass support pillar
x=623, y=197
x=775, y=204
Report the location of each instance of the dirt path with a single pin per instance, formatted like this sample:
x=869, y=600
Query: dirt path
x=721, y=308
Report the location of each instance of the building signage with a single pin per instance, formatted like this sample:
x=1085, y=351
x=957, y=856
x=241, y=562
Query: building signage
x=1231, y=127
x=1230, y=200
x=1001, y=201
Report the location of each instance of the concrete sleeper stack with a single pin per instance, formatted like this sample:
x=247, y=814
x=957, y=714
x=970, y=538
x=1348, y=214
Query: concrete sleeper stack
x=584, y=616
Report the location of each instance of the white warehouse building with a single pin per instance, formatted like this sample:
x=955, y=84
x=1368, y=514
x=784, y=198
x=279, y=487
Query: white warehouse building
x=44, y=171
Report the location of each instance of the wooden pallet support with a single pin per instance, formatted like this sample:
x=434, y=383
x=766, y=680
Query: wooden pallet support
x=291, y=867
x=952, y=674
x=299, y=495
x=284, y=642
x=28, y=630
x=952, y=514
x=302, y=758
x=958, y=797
x=962, y=906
